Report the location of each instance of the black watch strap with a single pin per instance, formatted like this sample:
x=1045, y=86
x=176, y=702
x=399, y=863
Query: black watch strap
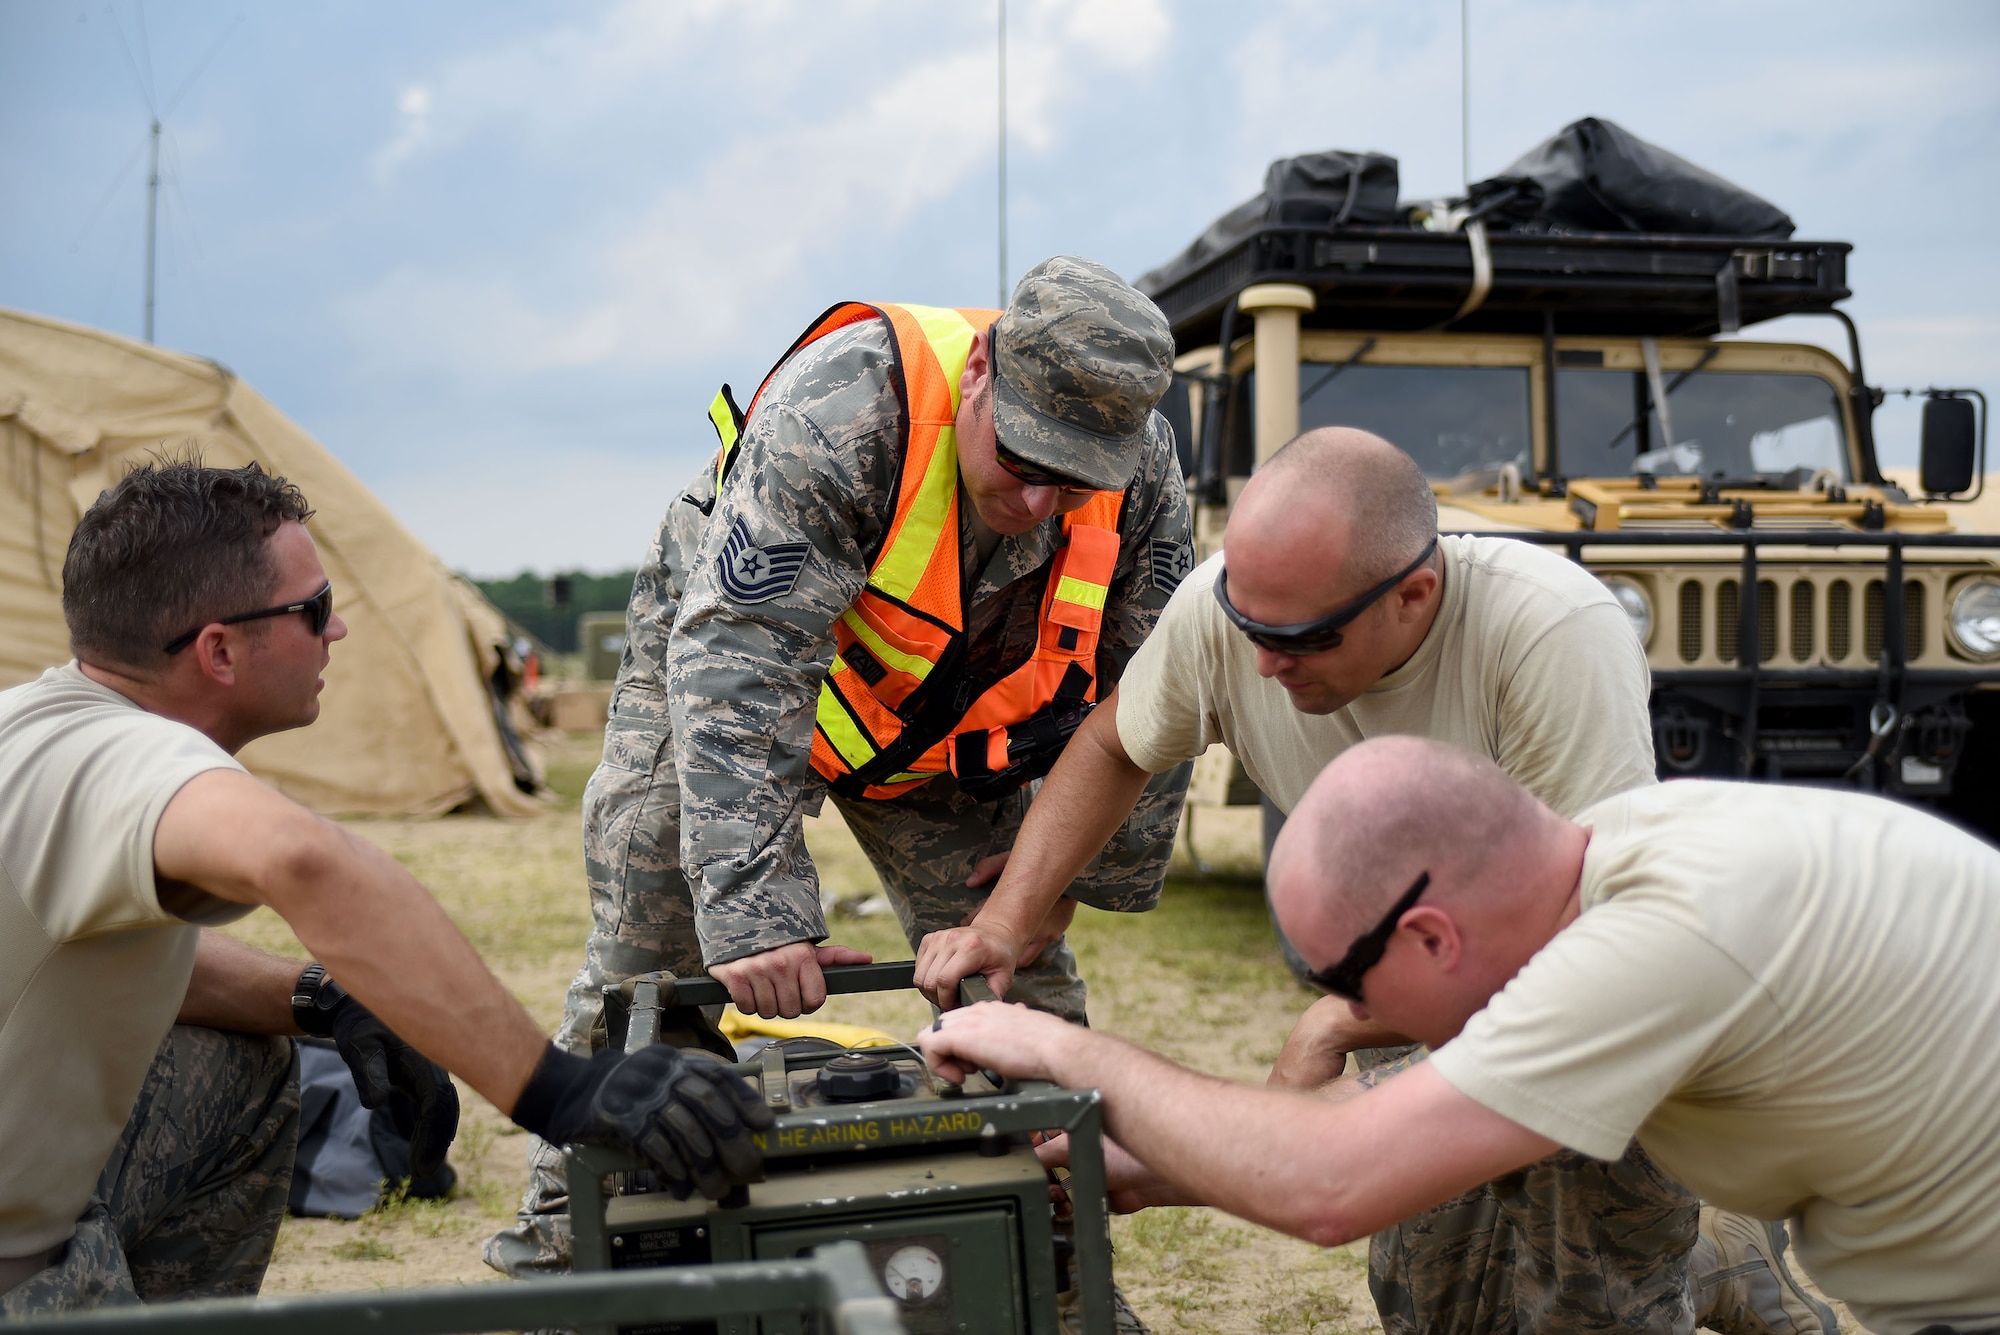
x=314, y=996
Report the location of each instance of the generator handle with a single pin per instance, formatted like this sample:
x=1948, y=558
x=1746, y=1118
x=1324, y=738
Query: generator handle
x=841, y=979
x=895, y=976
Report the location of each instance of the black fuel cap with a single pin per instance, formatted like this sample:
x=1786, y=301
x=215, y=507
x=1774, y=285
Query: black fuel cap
x=854, y=1077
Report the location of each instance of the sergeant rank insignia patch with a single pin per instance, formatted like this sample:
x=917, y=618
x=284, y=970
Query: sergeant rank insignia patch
x=1171, y=562
x=753, y=574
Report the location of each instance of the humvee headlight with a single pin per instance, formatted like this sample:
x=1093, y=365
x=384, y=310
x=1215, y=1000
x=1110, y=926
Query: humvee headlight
x=1639, y=608
x=1975, y=617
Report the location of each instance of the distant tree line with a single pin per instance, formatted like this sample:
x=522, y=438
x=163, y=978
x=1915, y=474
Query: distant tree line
x=547, y=606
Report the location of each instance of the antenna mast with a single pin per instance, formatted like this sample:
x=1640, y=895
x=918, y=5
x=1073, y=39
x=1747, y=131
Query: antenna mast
x=1002, y=204
x=1465, y=91
x=143, y=76
x=152, y=219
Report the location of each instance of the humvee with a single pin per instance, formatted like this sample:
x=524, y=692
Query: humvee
x=1807, y=619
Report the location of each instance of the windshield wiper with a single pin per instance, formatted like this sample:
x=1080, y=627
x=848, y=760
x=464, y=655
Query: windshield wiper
x=1675, y=384
x=1332, y=372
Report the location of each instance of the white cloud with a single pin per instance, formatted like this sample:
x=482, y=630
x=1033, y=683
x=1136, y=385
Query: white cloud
x=825, y=167
x=413, y=132
x=1127, y=34
x=542, y=85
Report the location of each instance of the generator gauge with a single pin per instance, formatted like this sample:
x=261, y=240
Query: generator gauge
x=913, y=1273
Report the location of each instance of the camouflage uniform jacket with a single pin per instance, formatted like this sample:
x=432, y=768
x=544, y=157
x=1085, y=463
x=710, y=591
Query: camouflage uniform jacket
x=722, y=668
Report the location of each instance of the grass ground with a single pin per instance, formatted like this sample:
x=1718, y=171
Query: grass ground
x=1199, y=979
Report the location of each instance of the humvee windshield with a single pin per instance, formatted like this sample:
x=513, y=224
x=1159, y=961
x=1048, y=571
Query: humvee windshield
x=1451, y=419
x=1458, y=420
x=1734, y=424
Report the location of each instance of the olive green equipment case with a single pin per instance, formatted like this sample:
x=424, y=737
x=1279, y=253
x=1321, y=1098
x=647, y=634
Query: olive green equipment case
x=938, y=1183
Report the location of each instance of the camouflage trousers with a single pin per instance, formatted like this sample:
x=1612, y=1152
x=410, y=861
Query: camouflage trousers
x=189, y=1203
x=1565, y=1246
x=923, y=845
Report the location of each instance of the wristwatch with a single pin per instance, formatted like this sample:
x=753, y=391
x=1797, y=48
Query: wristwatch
x=314, y=997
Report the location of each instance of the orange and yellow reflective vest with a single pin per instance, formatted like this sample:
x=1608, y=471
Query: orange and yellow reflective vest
x=895, y=710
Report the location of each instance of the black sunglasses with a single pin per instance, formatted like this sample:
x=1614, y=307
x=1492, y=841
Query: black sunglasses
x=1311, y=637
x=1343, y=976
x=318, y=610
x=1037, y=476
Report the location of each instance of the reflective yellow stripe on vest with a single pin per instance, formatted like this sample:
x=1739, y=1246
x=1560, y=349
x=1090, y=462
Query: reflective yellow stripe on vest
x=1081, y=592
x=898, y=569
x=725, y=428
x=915, y=664
x=839, y=728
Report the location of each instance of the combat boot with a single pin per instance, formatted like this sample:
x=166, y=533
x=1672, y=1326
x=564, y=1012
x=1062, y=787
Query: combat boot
x=1742, y=1285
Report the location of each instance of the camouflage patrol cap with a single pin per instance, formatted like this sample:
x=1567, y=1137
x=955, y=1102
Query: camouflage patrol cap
x=1080, y=357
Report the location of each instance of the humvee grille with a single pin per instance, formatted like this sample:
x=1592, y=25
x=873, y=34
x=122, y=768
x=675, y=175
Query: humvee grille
x=1805, y=616
x=1767, y=620
x=1728, y=620
x=1871, y=619
x=1913, y=619
x=1690, y=620
x=1839, y=619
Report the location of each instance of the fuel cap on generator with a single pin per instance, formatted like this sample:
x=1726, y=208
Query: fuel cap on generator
x=855, y=1077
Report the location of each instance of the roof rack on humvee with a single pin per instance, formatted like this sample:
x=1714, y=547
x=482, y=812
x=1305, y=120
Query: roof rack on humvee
x=1401, y=278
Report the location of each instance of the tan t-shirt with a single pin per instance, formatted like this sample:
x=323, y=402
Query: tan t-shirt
x=1790, y=997
x=92, y=968
x=1530, y=662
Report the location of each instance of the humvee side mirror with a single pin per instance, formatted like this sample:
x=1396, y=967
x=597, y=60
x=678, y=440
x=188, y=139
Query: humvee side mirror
x=1950, y=451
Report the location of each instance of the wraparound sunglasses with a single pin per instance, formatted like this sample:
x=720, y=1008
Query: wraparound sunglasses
x=1343, y=976
x=1311, y=637
x=318, y=611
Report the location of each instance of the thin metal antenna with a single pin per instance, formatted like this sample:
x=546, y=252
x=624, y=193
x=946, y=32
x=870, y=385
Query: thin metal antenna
x=142, y=74
x=1002, y=302
x=152, y=219
x=146, y=50
x=1465, y=91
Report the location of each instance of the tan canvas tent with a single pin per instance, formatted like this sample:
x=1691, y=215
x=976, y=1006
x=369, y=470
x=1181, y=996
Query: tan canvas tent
x=408, y=724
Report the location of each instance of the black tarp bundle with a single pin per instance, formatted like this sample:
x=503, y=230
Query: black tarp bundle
x=1334, y=188
x=1592, y=177
x=1598, y=177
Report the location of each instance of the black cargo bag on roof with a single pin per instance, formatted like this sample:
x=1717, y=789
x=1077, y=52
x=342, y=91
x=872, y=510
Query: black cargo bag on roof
x=1597, y=177
x=1333, y=188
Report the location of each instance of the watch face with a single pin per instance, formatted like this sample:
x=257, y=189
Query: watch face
x=913, y=1273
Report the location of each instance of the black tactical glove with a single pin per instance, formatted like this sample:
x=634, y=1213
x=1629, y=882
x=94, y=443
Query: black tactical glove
x=684, y=1113
x=421, y=1098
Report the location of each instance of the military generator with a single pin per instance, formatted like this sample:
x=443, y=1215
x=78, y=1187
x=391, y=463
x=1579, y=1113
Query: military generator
x=939, y=1183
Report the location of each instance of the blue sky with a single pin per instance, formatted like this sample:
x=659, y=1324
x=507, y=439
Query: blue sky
x=497, y=256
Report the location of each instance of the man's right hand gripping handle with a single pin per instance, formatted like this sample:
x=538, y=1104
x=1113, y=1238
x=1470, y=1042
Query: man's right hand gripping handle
x=684, y=1114
x=946, y=957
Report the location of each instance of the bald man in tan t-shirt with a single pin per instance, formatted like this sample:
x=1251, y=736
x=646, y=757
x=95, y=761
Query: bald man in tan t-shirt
x=1711, y=968
x=1337, y=614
